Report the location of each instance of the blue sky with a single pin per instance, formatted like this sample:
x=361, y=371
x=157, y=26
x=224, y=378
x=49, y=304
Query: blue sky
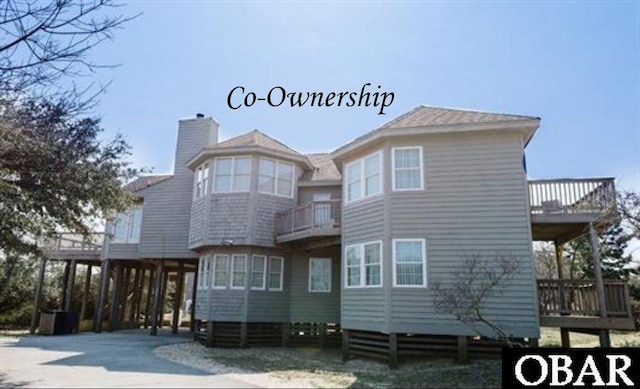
x=574, y=64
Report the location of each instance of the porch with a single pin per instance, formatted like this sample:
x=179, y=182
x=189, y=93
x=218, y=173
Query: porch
x=315, y=219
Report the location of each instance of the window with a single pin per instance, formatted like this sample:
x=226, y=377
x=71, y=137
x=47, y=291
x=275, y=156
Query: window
x=239, y=271
x=220, y=265
x=275, y=273
x=407, y=168
x=319, y=274
x=363, y=264
x=202, y=180
x=258, y=272
x=275, y=177
x=204, y=269
x=409, y=262
x=364, y=177
x=127, y=224
x=232, y=174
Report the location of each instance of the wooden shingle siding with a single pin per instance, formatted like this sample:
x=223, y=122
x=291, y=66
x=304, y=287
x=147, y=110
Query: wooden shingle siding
x=305, y=194
x=198, y=222
x=305, y=306
x=266, y=207
x=228, y=218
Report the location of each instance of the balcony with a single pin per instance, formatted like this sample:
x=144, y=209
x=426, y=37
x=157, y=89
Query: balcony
x=68, y=246
x=561, y=209
x=313, y=219
x=575, y=304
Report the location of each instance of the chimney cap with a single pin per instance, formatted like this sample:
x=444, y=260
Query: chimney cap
x=199, y=115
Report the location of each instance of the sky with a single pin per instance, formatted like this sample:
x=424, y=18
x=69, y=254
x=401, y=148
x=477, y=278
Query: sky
x=576, y=65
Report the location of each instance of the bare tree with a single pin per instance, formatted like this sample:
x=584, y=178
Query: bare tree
x=545, y=261
x=41, y=41
x=629, y=209
x=476, y=280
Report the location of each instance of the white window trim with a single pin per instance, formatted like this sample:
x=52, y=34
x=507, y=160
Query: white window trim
x=232, y=174
x=363, y=180
x=205, y=180
x=363, y=266
x=213, y=271
x=310, y=268
x=281, y=274
x=201, y=273
x=277, y=162
x=264, y=272
x=393, y=168
x=231, y=271
x=130, y=215
x=424, y=262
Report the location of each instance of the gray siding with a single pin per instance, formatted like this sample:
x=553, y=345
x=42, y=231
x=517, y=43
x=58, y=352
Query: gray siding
x=220, y=304
x=123, y=251
x=363, y=308
x=308, y=306
x=474, y=202
x=167, y=205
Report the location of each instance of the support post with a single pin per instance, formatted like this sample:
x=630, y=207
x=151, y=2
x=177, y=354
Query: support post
x=564, y=309
x=71, y=279
x=124, y=295
x=564, y=337
x=35, y=318
x=345, y=345
x=393, y=350
x=534, y=342
x=163, y=296
x=605, y=341
x=147, y=306
x=243, y=334
x=102, y=296
x=322, y=335
x=65, y=284
x=192, y=309
x=156, y=297
x=115, y=298
x=85, y=295
x=286, y=334
x=177, y=299
x=135, y=303
x=463, y=349
x=210, y=337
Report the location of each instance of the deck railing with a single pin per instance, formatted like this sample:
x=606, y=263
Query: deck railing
x=590, y=195
x=73, y=242
x=580, y=298
x=312, y=215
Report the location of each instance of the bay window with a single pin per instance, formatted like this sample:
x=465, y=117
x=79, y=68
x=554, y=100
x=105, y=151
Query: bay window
x=232, y=174
x=363, y=264
x=258, y=272
x=202, y=180
x=363, y=177
x=275, y=177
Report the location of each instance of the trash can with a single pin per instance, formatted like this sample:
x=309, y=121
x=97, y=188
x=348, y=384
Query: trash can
x=57, y=322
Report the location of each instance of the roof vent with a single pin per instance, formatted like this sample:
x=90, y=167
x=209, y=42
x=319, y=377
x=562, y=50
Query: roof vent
x=199, y=115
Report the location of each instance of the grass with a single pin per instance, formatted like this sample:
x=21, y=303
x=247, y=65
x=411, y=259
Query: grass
x=14, y=333
x=550, y=337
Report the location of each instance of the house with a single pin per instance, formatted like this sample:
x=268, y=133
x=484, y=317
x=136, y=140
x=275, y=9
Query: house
x=288, y=248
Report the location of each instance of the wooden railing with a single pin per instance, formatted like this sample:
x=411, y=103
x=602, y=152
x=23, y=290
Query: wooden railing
x=312, y=215
x=591, y=195
x=580, y=298
x=73, y=242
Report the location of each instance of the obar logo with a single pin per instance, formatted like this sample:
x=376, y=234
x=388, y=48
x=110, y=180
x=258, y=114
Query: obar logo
x=561, y=367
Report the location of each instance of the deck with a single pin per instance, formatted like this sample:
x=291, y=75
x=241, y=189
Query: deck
x=316, y=219
x=574, y=304
x=561, y=209
x=70, y=246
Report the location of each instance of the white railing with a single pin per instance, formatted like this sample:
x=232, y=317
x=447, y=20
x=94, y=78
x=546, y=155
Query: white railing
x=73, y=242
x=591, y=195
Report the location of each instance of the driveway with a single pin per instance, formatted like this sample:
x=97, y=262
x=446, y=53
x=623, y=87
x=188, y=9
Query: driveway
x=107, y=360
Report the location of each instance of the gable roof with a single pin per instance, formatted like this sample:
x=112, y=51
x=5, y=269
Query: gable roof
x=423, y=116
x=256, y=138
x=145, y=182
x=324, y=169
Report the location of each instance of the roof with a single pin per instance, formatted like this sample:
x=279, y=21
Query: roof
x=423, y=116
x=324, y=169
x=256, y=138
x=145, y=182
x=422, y=119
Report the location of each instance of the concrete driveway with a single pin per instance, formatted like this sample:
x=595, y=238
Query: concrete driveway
x=106, y=360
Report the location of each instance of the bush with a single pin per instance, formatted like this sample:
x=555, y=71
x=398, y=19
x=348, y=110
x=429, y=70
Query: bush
x=18, y=318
